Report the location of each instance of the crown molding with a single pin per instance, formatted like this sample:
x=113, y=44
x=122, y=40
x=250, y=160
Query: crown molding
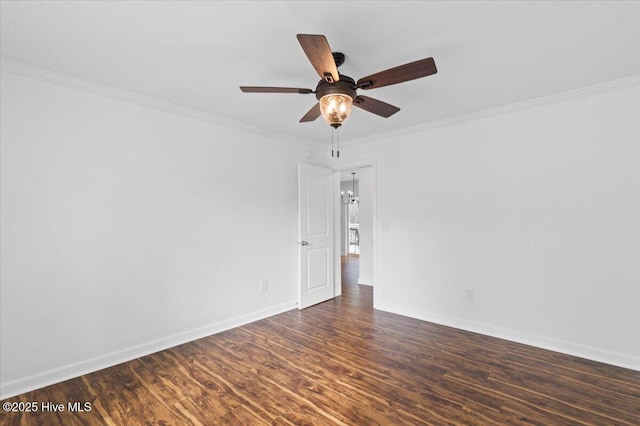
x=48, y=76
x=492, y=112
x=43, y=74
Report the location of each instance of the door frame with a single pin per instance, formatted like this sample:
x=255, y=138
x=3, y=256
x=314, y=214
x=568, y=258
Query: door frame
x=339, y=167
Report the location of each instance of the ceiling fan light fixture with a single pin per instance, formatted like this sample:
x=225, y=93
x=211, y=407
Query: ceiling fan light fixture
x=335, y=108
x=336, y=93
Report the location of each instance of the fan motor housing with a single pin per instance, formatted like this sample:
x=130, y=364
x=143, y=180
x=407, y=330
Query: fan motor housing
x=346, y=85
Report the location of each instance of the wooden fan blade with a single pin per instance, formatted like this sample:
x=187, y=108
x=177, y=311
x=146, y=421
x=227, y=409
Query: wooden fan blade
x=317, y=49
x=375, y=106
x=260, y=89
x=312, y=114
x=406, y=72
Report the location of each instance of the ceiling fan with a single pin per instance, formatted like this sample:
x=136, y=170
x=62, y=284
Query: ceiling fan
x=336, y=93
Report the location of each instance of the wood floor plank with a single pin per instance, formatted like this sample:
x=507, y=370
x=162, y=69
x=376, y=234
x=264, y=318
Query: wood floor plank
x=343, y=363
x=318, y=386
x=421, y=383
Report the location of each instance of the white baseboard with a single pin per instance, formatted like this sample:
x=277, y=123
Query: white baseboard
x=46, y=378
x=543, y=342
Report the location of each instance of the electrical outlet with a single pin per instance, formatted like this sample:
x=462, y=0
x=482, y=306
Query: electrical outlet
x=263, y=285
x=469, y=294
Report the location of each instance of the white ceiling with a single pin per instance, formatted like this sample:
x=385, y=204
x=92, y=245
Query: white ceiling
x=196, y=53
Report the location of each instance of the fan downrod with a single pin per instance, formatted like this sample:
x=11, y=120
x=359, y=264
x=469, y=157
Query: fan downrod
x=338, y=57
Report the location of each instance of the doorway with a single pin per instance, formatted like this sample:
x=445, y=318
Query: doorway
x=319, y=216
x=357, y=223
x=350, y=214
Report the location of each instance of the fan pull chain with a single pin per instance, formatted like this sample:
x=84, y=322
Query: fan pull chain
x=338, y=138
x=332, y=131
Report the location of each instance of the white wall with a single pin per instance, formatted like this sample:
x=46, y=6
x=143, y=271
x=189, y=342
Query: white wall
x=126, y=230
x=536, y=208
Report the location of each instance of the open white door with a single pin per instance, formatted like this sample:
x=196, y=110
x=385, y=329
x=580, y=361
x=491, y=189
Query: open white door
x=315, y=234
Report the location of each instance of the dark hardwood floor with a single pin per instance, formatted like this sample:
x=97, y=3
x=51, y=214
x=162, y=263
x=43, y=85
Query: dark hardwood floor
x=341, y=362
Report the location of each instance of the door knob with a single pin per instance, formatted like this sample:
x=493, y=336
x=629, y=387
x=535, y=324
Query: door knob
x=304, y=243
